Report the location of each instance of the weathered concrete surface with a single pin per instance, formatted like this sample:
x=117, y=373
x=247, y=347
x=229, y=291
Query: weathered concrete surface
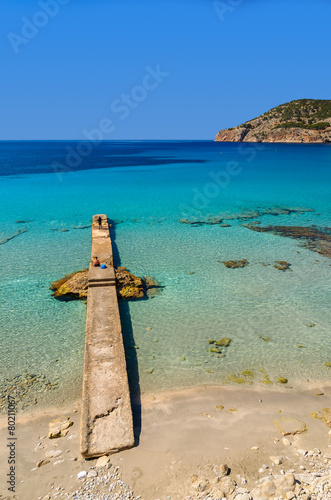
x=106, y=424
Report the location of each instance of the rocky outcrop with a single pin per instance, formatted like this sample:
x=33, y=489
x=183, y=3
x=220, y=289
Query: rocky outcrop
x=129, y=287
x=72, y=286
x=301, y=121
x=314, y=238
x=245, y=216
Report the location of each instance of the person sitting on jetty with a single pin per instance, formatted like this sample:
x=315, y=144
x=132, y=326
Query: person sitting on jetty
x=99, y=221
x=96, y=262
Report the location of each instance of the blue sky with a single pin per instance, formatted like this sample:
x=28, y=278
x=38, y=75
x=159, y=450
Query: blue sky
x=156, y=69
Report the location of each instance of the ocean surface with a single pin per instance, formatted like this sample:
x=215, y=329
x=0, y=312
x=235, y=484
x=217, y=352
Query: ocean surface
x=53, y=188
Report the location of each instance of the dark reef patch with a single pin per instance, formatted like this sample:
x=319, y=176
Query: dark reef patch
x=14, y=235
x=314, y=238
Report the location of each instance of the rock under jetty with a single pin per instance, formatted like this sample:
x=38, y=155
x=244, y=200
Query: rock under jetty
x=314, y=238
x=74, y=286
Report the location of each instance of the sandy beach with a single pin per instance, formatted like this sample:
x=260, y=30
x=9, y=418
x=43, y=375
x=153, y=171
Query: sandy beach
x=178, y=434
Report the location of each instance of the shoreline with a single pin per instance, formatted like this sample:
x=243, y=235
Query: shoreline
x=146, y=397
x=178, y=433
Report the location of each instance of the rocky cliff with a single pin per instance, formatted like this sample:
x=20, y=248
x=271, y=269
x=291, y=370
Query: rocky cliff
x=301, y=121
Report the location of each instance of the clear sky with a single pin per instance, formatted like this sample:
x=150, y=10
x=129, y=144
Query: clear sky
x=156, y=69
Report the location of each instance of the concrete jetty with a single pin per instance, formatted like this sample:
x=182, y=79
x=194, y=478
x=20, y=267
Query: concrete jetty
x=106, y=425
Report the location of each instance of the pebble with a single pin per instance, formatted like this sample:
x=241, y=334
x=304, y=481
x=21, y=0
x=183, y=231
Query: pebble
x=92, y=473
x=53, y=453
x=102, y=461
x=286, y=442
x=277, y=460
x=82, y=474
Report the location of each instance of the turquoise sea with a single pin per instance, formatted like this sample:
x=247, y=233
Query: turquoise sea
x=146, y=188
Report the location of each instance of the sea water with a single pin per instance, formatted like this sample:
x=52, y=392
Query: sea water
x=147, y=188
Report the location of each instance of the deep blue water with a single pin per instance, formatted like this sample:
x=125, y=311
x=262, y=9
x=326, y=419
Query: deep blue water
x=147, y=187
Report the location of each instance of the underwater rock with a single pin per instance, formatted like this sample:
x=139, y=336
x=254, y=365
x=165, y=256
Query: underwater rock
x=14, y=235
x=282, y=265
x=225, y=342
x=314, y=238
x=26, y=388
x=237, y=380
x=209, y=221
x=150, y=371
x=82, y=227
x=282, y=380
x=251, y=224
x=327, y=364
x=266, y=380
x=215, y=350
x=151, y=286
x=246, y=215
x=234, y=264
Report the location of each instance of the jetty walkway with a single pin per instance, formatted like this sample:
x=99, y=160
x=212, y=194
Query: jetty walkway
x=106, y=425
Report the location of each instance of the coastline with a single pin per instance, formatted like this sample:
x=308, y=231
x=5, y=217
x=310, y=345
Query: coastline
x=178, y=433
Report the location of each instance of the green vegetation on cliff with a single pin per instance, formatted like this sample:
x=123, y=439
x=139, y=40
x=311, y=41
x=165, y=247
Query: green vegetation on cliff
x=304, y=120
x=304, y=113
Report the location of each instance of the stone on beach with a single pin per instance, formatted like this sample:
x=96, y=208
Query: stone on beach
x=40, y=463
x=102, y=461
x=277, y=460
x=289, y=426
x=59, y=427
x=221, y=470
x=53, y=453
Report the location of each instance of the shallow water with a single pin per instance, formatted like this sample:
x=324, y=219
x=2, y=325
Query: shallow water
x=147, y=187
